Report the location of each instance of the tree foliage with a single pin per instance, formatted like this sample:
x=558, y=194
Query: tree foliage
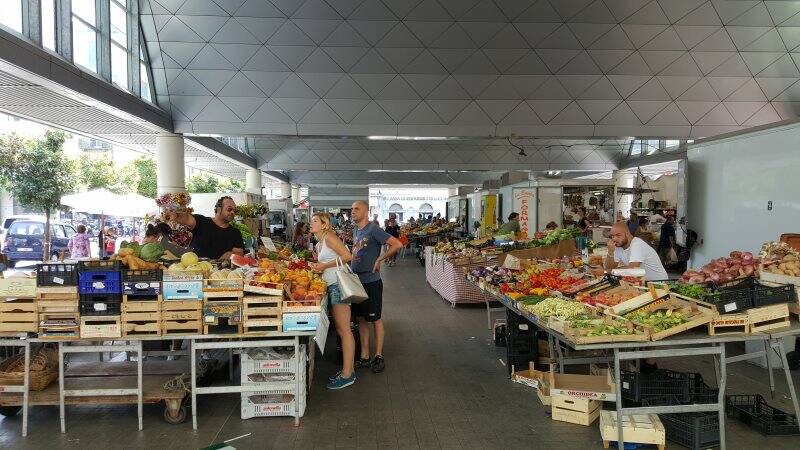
x=148, y=182
x=37, y=173
x=231, y=185
x=97, y=171
x=202, y=183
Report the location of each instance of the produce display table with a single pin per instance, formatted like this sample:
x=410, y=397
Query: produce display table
x=691, y=343
x=448, y=280
x=126, y=382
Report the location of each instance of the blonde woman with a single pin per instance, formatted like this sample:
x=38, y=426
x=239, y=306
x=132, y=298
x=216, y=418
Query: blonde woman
x=329, y=248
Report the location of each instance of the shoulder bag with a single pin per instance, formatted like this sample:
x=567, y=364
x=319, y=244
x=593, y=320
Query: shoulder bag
x=349, y=285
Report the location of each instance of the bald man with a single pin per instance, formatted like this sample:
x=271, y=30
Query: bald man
x=626, y=251
x=368, y=240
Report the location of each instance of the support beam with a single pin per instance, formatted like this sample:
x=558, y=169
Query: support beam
x=224, y=151
x=170, y=163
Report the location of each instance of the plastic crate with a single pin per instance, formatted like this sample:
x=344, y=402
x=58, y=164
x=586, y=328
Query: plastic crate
x=697, y=431
x=754, y=411
x=733, y=297
x=285, y=364
x=141, y=275
x=641, y=386
x=56, y=274
x=764, y=295
x=99, y=282
x=141, y=288
x=99, y=265
x=100, y=305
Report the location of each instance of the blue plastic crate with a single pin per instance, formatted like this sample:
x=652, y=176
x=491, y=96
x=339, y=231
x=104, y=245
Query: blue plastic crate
x=300, y=321
x=99, y=282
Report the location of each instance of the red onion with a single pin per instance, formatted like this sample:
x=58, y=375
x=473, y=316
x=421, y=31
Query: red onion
x=736, y=254
x=715, y=277
x=696, y=279
x=747, y=256
x=724, y=278
x=749, y=270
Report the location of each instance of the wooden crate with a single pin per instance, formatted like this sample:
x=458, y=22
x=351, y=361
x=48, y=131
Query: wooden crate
x=698, y=313
x=581, y=335
x=636, y=428
x=768, y=317
x=576, y=417
x=141, y=317
x=48, y=293
x=234, y=284
x=223, y=296
x=265, y=288
x=181, y=317
x=101, y=327
x=262, y=314
x=18, y=315
x=730, y=324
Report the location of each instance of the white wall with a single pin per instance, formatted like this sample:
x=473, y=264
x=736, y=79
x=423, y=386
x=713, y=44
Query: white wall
x=730, y=182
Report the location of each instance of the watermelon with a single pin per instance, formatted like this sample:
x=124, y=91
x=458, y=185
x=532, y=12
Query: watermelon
x=243, y=261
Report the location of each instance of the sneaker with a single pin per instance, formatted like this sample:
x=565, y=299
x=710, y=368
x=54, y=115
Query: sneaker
x=335, y=376
x=341, y=383
x=362, y=363
x=378, y=365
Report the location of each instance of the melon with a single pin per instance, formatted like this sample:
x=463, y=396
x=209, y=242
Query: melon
x=189, y=258
x=243, y=261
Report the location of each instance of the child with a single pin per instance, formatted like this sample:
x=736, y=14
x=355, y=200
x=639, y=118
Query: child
x=79, y=244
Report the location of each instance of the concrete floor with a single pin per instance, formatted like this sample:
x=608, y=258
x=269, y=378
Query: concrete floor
x=444, y=387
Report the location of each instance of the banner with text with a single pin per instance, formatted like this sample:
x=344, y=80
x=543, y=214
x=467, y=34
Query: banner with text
x=524, y=203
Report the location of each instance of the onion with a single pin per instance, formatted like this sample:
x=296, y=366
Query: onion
x=736, y=254
x=715, y=277
x=749, y=270
x=724, y=278
x=697, y=279
x=747, y=256
x=741, y=271
x=708, y=271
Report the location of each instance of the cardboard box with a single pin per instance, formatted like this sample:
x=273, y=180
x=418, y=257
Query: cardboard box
x=556, y=251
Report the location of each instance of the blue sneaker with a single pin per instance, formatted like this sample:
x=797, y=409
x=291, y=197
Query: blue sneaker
x=341, y=383
x=335, y=376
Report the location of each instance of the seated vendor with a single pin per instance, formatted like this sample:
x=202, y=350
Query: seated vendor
x=626, y=251
x=213, y=237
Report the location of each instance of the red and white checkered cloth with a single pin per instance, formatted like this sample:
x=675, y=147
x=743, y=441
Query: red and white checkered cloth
x=449, y=281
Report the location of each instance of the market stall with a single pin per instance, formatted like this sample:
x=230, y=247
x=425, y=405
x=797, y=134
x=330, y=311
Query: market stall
x=266, y=308
x=626, y=322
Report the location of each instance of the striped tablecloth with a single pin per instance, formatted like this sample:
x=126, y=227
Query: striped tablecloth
x=449, y=281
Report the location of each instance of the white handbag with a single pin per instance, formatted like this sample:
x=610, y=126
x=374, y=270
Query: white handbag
x=349, y=284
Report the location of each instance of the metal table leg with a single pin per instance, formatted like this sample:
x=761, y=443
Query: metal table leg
x=782, y=350
x=194, y=384
x=767, y=345
x=139, y=383
x=721, y=384
x=297, y=370
x=61, y=386
x=618, y=389
x=26, y=388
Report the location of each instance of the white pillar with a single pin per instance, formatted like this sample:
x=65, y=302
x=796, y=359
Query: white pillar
x=286, y=190
x=253, y=181
x=295, y=194
x=170, y=163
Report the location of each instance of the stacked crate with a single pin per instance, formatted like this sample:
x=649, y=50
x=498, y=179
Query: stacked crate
x=262, y=308
x=182, y=305
x=222, y=306
x=18, y=305
x=300, y=315
x=521, y=341
x=57, y=301
x=141, y=302
x=100, y=302
x=276, y=379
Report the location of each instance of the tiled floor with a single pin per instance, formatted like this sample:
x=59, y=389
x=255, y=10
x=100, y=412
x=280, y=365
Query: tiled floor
x=444, y=387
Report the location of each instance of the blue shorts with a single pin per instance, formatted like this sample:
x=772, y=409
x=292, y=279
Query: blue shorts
x=335, y=296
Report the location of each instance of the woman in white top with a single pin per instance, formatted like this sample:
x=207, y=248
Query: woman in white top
x=328, y=249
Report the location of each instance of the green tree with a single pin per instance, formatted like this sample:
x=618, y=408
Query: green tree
x=97, y=172
x=148, y=183
x=231, y=185
x=127, y=180
x=37, y=174
x=202, y=183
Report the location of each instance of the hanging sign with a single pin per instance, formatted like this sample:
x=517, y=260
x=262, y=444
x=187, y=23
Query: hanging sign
x=524, y=203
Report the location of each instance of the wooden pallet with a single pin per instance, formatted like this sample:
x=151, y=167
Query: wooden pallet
x=768, y=317
x=48, y=293
x=636, y=428
x=18, y=315
x=101, y=327
x=730, y=324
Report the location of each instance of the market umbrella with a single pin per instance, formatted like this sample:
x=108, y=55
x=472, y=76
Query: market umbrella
x=106, y=203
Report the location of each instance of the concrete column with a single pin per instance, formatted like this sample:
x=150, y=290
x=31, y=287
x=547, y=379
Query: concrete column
x=170, y=163
x=295, y=194
x=286, y=190
x=253, y=181
x=627, y=180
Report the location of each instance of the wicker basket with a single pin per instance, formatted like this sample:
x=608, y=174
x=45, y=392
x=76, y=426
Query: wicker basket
x=44, y=369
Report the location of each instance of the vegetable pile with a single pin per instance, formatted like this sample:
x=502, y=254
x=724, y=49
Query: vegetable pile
x=659, y=320
x=722, y=270
x=602, y=329
x=788, y=265
x=696, y=291
x=557, y=307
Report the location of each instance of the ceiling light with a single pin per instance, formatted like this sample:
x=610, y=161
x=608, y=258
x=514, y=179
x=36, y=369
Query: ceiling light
x=408, y=138
x=553, y=173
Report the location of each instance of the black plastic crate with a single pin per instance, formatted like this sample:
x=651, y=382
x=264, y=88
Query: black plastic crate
x=754, y=411
x=764, y=295
x=733, y=297
x=141, y=274
x=693, y=430
x=641, y=386
x=56, y=274
x=100, y=304
x=141, y=288
x=99, y=265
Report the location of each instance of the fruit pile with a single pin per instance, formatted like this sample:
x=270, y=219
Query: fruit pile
x=606, y=298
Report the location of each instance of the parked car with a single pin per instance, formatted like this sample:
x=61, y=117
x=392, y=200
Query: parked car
x=24, y=240
x=10, y=219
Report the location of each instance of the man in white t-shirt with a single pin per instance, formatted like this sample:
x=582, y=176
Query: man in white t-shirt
x=626, y=251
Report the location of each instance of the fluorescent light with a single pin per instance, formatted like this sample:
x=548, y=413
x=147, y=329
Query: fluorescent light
x=554, y=173
x=408, y=138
